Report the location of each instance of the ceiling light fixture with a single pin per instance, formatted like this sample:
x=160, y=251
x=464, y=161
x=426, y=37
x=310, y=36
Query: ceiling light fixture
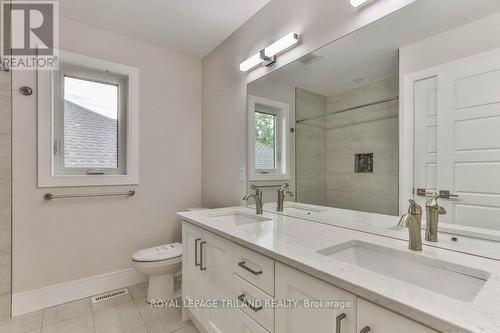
x=268, y=55
x=357, y=3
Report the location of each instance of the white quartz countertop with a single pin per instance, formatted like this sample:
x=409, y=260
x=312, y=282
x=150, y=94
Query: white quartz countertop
x=295, y=242
x=466, y=239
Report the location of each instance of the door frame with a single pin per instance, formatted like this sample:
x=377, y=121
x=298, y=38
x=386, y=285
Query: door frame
x=407, y=120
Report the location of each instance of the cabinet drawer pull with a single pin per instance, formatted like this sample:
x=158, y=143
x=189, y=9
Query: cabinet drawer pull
x=366, y=329
x=196, y=264
x=244, y=301
x=339, y=322
x=201, y=256
x=245, y=267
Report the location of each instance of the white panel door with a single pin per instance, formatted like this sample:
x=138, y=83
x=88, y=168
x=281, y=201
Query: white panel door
x=294, y=285
x=426, y=111
x=469, y=142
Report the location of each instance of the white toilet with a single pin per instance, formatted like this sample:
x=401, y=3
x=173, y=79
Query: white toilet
x=160, y=263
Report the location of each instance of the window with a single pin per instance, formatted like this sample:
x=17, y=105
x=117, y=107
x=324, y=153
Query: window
x=266, y=153
x=89, y=131
x=268, y=123
x=91, y=106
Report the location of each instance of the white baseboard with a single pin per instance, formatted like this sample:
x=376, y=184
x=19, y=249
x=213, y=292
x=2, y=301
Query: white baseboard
x=46, y=297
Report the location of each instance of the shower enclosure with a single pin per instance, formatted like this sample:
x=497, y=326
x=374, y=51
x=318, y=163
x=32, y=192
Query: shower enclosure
x=347, y=148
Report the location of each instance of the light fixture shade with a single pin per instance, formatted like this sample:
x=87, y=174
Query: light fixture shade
x=251, y=62
x=281, y=45
x=267, y=56
x=357, y=3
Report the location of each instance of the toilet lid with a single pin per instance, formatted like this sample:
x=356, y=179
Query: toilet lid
x=162, y=252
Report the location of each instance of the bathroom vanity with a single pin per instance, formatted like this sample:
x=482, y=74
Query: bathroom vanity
x=366, y=282
x=353, y=131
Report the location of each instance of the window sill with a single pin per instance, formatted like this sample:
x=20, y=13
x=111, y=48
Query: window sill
x=269, y=176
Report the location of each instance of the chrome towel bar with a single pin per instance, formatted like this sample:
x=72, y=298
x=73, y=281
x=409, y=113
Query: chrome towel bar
x=50, y=196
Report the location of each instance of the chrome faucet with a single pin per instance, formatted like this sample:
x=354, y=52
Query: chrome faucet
x=282, y=192
x=433, y=212
x=412, y=220
x=258, y=199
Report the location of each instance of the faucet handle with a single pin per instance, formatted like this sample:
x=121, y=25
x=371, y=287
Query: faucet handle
x=433, y=202
x=414, y=208
x=284, y=188
x=257, y=191
x=255, y=195
x=403, y=221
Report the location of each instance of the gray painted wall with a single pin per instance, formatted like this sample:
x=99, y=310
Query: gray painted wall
x=108, y=229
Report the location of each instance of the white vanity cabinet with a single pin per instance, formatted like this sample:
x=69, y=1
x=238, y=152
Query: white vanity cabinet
x=194, y=280
x=215, y=268
x=295, y=285
x=375, y=319
x=244, y=324
x=207, y=273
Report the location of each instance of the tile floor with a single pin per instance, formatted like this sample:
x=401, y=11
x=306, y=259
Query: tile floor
x=124, y=314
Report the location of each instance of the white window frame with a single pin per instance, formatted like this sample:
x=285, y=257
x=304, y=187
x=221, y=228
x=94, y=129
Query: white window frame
x=51, y=170
x=282, y=136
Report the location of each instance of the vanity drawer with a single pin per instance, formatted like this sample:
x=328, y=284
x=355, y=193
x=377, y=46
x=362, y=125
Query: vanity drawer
x=381, y=320
x=264, y=315
x=242, y=323
x=255, y=268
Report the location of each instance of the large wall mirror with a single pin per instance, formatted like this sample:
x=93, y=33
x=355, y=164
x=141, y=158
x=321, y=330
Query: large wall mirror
x=404, y=108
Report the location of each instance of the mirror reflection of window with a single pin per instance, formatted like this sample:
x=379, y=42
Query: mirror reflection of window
x=265, y=141
x=377, y=124
x=268, y=148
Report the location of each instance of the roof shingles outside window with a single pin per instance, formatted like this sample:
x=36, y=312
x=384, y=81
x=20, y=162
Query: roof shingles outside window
x=90, y=139
x=264, y=157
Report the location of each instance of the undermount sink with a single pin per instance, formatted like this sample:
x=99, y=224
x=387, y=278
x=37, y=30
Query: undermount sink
x=459, y=282
x=239, y=218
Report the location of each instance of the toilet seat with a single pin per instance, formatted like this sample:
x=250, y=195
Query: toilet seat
x=162, y=253
x=157, y=263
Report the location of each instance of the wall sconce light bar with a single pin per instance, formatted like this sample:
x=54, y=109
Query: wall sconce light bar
x=267, y=56
x=251, y=62
x=357, y=3
x=284, y=43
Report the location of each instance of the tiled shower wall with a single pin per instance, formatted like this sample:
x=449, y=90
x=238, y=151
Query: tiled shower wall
x=372, y=129
x=326, y=148
x=310, y=148
x=5, y=193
